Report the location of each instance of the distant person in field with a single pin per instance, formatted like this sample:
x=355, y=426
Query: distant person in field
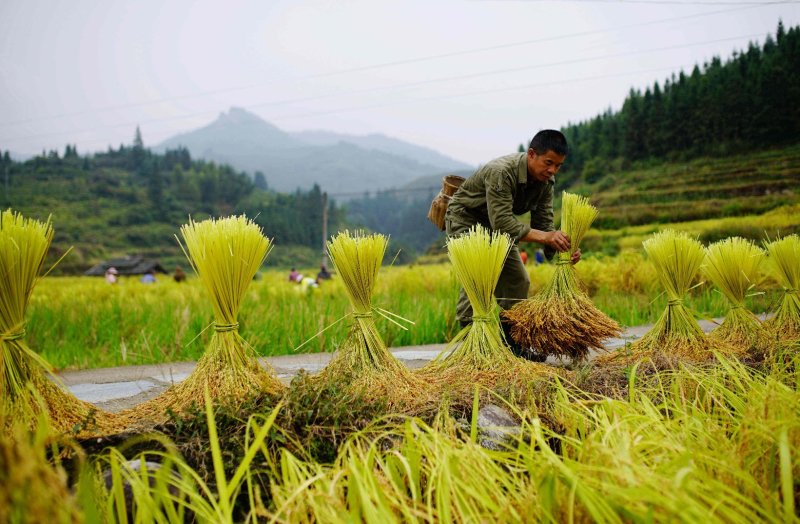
x=539, y=256
x=305, y=284
x=148, y=278
x=507, y=186
x=523, y=255
x=293, y=275
x=323, y=274
x=111, y=275
x=179, y=275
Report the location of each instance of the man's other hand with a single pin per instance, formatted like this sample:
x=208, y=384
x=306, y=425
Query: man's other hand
x=576, y=256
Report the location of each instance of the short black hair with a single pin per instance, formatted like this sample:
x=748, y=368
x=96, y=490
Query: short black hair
x=549, y=140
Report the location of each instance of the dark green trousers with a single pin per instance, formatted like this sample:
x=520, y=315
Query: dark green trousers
x=512, y=286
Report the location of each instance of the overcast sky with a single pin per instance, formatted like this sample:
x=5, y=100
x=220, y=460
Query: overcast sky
x=469, y=79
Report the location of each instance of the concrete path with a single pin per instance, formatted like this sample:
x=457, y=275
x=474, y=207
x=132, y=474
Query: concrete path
x=115, y=389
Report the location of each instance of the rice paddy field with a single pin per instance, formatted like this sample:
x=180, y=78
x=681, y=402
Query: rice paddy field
x=679, y=427
x=83, y=322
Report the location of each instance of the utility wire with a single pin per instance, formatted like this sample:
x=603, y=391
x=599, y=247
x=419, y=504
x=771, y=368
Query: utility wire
x=364, y=107
x=407, y=61
x=397, y=86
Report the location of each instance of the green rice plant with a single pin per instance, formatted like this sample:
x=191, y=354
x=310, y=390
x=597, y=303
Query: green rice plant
x=733, y=266
x=676, y=335
x=25, y=387
x=561, y=319
x=711, y=444
x=174, y=491
x=784, y=259
x=225, y=253
x=363, y=357
x=34, y=487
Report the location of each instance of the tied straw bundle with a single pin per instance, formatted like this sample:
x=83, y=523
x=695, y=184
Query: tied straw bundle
x=784, y=258
x=363, y=356
x=676, y=334
x=733, y=266
x=225, y=253
x=561, y=319
x=27, y=392
x=482, y=355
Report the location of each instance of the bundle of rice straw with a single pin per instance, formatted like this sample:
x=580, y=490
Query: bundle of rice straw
x=784, y=259
x=478, y=257
x=676, y=335
x=27, y=392
x=561, y=319
x=733, y=266
x=225, y=253
x=363, y=356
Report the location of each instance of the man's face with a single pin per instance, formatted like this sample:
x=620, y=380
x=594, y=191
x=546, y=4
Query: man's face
x=545, y=166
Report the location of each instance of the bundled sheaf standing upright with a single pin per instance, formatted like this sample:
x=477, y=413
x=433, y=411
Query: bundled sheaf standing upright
x=733, y=266
x=225, y=253
x=784, y=259
x=479, y=352
x=561, y=319
x=363, y=357
x=26, y=390
x=676, y=335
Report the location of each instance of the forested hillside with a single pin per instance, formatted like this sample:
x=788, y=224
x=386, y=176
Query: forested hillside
x=722, y=141
x=132, y=201
x=747, y=103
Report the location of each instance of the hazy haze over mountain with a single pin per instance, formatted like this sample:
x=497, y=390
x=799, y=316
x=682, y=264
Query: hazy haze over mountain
x=339, y=163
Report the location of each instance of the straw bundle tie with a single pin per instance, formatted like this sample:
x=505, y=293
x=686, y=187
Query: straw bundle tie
x=791, y=291
x=675, y=302
x=736, y=306
x=483, y=318
x=223, y=328
x=382, y=312
x=8, y=337
x=563, y=262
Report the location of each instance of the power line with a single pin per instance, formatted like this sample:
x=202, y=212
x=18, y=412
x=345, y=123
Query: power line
x=397, y=86
x=660, y=2
x=423, y=58
x=376, y=106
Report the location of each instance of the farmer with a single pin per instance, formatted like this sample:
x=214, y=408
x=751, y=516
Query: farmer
x=111, y=275
x=508, y=186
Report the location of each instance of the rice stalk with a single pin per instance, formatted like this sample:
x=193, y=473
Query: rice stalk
x=27, y=391
x=733, y=266
x=225, y=253
x=676, y=335
x=363, y=357
x=561, y=319
x=35, y=486
x=478, y=353
x=784, y=259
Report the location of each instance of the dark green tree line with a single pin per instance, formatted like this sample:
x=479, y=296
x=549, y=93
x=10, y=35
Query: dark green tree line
x=749, y=101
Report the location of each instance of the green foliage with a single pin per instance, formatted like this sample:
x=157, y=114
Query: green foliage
x=131, y=201
x=746, y=103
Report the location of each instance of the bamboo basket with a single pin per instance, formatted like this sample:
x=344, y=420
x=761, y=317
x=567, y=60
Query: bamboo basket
x=436, y=213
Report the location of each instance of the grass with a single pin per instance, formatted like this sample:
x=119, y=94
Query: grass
x=712, y=443
x=81, y=322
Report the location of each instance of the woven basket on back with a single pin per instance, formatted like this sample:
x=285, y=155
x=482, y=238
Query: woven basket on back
x=450, y=185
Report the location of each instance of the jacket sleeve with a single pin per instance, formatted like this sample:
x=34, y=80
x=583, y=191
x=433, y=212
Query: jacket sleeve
x=500, y=205
x=542, y=216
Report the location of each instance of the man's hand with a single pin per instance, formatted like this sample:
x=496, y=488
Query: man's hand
x=576, y=256
x=557, y=240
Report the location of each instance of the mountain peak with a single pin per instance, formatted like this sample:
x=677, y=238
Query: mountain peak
x=238, y=116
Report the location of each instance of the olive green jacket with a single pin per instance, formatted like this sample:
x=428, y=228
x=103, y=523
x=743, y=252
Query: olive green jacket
x=498, y=191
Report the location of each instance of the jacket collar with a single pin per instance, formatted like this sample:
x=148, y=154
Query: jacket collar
x=522, y=169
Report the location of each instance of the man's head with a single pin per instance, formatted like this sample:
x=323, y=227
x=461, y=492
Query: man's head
x=546, y=153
